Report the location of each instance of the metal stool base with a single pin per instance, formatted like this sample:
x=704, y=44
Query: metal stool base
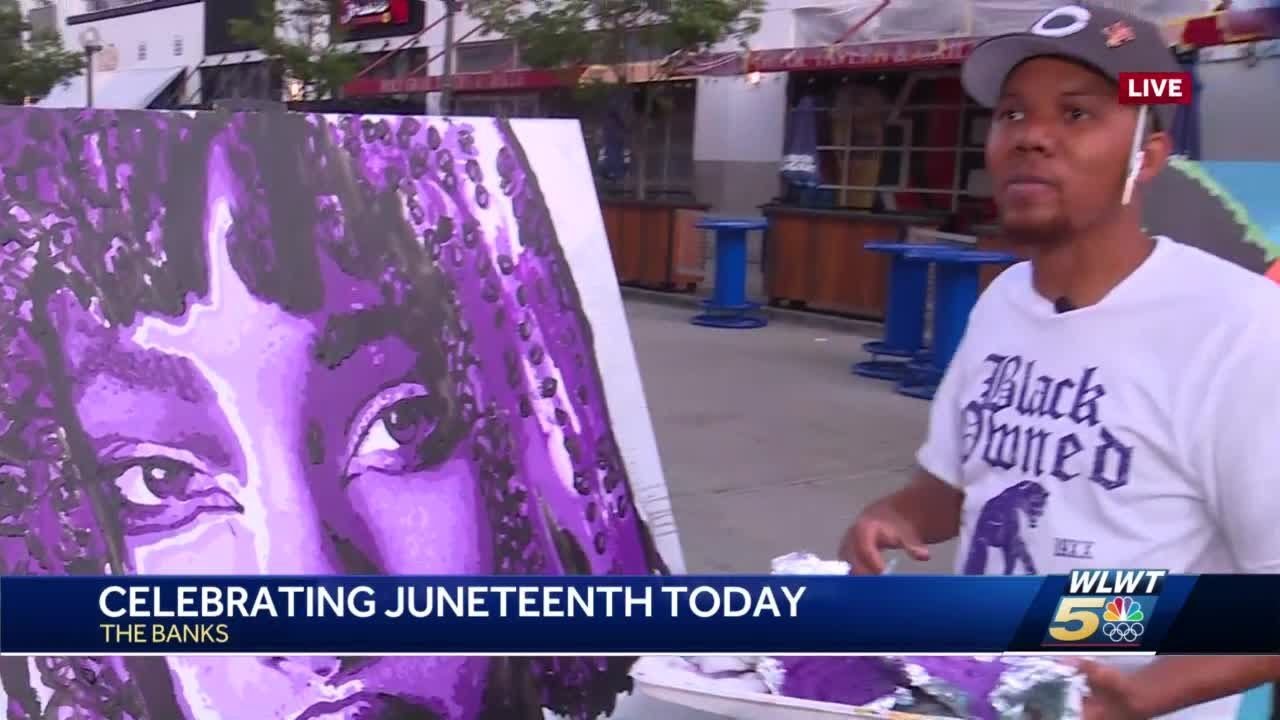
x=893, y=370
x=921, y=392
x=920, y=380
x=880, y=347
x=729, y=322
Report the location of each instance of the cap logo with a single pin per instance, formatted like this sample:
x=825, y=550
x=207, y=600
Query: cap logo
x=1118, y=34
x=1061, y=22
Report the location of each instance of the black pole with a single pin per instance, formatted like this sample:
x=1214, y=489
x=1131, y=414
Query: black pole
x=446, y=80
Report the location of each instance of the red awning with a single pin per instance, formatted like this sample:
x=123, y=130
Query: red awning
x=464, y=82
x=859, y=56
x=1229, y=27
x=1224, y=28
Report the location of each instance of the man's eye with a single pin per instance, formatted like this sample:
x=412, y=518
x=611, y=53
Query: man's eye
x=163, y=494
x=1075, y=114
x=1007, y=115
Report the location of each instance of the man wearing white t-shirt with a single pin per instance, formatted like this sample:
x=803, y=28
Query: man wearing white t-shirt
x=1115, y=401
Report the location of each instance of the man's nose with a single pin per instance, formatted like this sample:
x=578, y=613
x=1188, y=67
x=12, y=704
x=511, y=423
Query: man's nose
x=1033, y=137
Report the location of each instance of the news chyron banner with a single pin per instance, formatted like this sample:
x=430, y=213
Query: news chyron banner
x=1091, y=612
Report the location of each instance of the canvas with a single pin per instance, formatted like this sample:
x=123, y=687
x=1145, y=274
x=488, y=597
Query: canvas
x=1225, y=208
x=300, y=344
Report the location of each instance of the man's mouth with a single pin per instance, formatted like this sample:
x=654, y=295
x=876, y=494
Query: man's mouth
x=1029, y=181
x=370, y=706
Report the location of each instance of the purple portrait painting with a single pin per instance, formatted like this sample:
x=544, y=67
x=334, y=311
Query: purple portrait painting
x=270, y=343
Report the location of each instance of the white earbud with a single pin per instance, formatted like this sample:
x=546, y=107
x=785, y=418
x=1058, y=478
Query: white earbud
x=1136, y=157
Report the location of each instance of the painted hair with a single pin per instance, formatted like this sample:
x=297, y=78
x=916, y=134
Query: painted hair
x=447, y=219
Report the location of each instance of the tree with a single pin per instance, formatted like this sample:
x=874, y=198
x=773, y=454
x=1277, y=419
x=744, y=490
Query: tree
x=31, y=63
x=575, y=33
x=303, y=37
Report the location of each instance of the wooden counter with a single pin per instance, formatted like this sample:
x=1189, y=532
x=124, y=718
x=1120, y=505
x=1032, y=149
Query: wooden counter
x=655, y=243
x=815, y=259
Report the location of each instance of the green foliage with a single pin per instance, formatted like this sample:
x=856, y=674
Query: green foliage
x=31, y=64
x=305, y=39
x=555, y=33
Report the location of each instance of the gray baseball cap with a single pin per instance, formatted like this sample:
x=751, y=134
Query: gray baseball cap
x=1106, y=40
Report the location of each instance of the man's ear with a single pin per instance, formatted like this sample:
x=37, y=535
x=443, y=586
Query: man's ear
x=1155, y=153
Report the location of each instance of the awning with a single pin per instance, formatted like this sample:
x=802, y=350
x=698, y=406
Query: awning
x=1226, y=28
x=118, y=90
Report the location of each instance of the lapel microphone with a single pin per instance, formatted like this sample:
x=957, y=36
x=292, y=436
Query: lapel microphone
x=1063, y=305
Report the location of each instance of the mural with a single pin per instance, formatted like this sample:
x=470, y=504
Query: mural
x=1226, y=208
x=273, y=343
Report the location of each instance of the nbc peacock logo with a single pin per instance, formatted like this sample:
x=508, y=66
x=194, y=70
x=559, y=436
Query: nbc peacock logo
x=1123, y=609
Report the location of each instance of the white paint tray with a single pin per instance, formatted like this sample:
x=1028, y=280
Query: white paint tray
x=670, y=679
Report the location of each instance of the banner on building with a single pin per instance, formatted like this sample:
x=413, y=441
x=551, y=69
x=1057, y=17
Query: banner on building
x=359, y=13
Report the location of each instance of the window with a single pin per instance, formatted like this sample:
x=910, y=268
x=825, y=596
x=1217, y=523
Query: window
x=142, y=51
x=177, y=46
x=668, y=148
x=904, y=141
x=393, y=64
x=486, y=56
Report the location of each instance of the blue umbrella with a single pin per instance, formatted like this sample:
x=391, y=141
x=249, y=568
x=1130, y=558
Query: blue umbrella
x=800, y=153
x=1186, y=124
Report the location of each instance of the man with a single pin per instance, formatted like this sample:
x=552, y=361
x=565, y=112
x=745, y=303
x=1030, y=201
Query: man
x=1113, y=401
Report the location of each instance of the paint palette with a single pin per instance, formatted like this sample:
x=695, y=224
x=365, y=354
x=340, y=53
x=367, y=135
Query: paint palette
x=672, y=680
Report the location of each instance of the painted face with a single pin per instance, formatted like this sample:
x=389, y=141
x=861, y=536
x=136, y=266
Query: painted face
x=307, y=347
x=1058, y=149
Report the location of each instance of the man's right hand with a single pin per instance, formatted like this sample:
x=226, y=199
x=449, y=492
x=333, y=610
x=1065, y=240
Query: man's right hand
x=874, y=532
x=924, y=512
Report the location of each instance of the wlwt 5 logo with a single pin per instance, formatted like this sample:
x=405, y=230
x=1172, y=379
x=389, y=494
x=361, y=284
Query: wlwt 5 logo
x=1105, y=608
x=1155, y=88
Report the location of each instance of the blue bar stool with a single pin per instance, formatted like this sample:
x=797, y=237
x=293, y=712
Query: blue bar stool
x=728, y=306
x=957, y=293
x=904, y=312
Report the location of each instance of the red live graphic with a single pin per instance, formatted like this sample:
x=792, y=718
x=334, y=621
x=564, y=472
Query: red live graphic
x=1155, y=88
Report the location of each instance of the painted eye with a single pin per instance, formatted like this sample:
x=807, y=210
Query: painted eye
x=154, y=480
x=161, y=494
x=403, y=424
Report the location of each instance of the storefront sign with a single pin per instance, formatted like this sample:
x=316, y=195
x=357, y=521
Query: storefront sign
x=863, y=56
x=359, y=13
x=853, y=56
x=463, y=82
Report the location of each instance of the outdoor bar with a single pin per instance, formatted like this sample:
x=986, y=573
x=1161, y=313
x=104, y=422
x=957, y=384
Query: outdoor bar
x=898, y=157
x=643, y=157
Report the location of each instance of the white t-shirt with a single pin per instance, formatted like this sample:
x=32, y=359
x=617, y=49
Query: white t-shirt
x=1140, y=432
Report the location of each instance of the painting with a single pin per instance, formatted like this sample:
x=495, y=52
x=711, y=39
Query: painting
x=274, y=343
x=1225, y=208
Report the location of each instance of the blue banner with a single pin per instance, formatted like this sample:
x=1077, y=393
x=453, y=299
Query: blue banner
x=1093, y=611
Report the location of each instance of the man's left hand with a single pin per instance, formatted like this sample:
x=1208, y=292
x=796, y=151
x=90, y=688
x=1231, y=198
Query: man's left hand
x=1111, y=692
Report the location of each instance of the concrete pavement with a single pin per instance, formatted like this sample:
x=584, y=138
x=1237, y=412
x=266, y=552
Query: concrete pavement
x=768, y=443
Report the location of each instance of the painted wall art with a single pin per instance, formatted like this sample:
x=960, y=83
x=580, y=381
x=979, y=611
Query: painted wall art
x=301, y=344
x=1226, y=208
